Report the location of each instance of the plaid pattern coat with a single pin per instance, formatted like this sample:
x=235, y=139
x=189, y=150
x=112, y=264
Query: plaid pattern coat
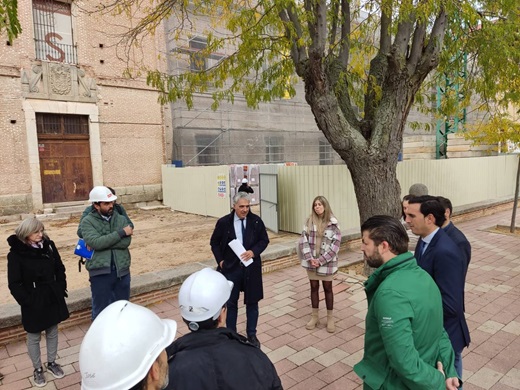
x=328, y=253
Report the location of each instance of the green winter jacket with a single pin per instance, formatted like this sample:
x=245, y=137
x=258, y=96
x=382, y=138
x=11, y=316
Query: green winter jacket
x=117, y=206
x=404, y=336
x=109, y=242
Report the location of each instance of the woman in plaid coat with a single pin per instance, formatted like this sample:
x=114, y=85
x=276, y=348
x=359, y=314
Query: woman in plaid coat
x=318, y=249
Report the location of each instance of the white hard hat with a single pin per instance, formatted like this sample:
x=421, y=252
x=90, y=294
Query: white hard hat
x=101, y=194
x=121, y=345
x=244, y=181
x=203, y=294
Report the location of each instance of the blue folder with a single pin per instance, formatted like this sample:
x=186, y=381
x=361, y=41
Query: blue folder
x=81, y=249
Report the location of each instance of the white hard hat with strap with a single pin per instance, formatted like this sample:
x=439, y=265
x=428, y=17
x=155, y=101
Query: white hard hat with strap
x=101, y=194
x=203, y=294
x=121, y=345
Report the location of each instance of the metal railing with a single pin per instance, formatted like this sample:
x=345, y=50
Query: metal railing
x=56, y=52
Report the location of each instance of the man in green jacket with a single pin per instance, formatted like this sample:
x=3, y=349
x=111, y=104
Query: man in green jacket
x=108, y=233
x=406, y=346
x=118, y=207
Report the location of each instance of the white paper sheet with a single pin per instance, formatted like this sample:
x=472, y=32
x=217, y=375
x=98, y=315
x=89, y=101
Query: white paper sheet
x=238, y=248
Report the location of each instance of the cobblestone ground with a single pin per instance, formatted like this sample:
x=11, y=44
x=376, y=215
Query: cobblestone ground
x=319, y=360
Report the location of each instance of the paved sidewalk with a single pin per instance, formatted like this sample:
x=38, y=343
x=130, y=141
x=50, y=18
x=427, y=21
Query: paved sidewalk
x=318, y=360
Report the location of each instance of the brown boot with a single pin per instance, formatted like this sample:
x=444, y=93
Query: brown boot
x=315, y=320
x=331, y=327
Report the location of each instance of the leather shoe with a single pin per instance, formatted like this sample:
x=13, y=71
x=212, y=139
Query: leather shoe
x=254, y=340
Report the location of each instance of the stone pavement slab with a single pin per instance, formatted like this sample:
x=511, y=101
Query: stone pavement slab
x=320, y=360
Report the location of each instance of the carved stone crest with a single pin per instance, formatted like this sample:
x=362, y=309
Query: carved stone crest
x=60, y=79
x=55, y=81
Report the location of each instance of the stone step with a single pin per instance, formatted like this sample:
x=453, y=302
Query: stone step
x=70, y=210
x=152, y=205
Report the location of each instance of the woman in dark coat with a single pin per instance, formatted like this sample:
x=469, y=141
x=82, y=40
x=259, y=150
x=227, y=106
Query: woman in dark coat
x=36, y=277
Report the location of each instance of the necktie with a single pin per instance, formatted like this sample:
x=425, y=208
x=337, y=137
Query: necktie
x=419, y=250
x=243, y=231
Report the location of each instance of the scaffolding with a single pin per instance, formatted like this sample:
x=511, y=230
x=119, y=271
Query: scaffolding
x=450, y=124
x=277, y=132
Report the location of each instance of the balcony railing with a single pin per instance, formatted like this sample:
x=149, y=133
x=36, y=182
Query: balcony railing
x=56, y=52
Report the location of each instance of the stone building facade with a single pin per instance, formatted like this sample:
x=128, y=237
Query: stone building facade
x=68, y=118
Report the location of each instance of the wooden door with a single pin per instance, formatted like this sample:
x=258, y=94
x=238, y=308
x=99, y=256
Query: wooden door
x=65, y=165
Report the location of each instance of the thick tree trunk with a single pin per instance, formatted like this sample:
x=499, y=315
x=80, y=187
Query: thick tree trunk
x=377, y=190
x=376, y=186
x=372, y=162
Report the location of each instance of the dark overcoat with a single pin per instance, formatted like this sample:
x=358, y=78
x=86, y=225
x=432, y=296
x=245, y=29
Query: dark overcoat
x=37, y=281
x=256, y=239
x=446, y=264
x=219, y=359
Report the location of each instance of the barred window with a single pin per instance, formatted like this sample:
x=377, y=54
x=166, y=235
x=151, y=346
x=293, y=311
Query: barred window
x=62, y=125
x=326, y=154
x=274, y=149
x=53, y=31
x=207, y=149
x=197, y=60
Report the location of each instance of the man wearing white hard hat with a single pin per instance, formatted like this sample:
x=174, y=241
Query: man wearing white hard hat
x=124, y=349
x=117, y=206
x=245, y=187
x=212, y=356
x=109, y=233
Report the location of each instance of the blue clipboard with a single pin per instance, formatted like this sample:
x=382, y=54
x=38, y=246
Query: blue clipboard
x=81, y=250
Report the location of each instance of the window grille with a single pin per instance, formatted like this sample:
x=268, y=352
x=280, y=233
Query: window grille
x=274, y=149
x=53, y=31
x=207, y=150
x=198, y=61
x=326, y=156
x=62, y=125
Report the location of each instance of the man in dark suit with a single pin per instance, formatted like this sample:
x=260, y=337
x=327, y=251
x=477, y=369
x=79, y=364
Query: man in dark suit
x=438, y=255
x=249, y=229
x=453, y=232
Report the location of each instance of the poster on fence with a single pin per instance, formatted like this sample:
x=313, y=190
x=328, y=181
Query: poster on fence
x=221, y=186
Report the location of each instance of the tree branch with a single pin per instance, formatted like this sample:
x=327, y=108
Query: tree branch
x=317, y=26
x=417, y=47
x=334, y=23
x=384, y=35
x=344, y=49
x=402, y=37
x=430, y=58
x=378, y=68
x=294, y=34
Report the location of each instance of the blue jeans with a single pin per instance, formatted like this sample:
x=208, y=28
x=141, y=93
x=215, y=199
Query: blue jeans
x=107, y=289
x=237, y=277
x=458, y=365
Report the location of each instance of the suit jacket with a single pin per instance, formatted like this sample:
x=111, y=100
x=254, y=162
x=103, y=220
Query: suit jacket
x=446, y=264
x=460, y=240
x=255, y=239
